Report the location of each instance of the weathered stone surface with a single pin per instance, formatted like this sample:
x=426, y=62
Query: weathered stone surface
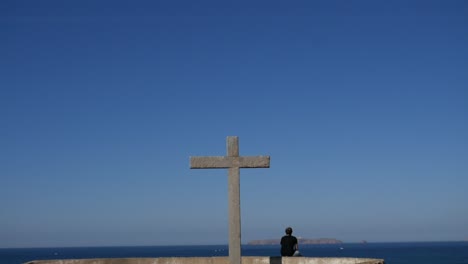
x=213, y=260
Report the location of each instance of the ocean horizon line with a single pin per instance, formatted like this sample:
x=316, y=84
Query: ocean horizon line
x=243, y=244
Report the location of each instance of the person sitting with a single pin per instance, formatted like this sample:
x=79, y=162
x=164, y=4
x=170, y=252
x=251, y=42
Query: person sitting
x=289, y=243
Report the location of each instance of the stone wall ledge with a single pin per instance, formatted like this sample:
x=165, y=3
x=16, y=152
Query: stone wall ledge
x=213, y=260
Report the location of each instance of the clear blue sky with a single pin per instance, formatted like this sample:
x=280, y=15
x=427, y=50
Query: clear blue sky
x=362, y=106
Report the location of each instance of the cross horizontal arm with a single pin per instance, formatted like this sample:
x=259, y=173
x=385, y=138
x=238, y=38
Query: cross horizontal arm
x=223, y=162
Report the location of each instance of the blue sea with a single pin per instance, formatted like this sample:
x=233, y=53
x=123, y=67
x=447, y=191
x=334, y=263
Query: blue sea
x=393, y=253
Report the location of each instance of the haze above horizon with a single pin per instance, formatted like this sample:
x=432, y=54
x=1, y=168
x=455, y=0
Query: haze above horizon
x=362, y=107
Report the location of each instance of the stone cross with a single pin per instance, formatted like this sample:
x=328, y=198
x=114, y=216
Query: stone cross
x=233, y=162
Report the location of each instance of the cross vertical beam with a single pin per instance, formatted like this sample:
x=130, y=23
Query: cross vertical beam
x=233, y=162
x=234, y=203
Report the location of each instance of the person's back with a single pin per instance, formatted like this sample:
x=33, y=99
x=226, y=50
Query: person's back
x=288, y=243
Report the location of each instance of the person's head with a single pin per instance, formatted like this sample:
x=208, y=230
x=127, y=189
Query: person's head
x=288, y=230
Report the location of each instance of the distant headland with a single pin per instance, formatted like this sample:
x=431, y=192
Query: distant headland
x=302, y=241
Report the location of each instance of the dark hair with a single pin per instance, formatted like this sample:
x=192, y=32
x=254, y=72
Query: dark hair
x=288, y=230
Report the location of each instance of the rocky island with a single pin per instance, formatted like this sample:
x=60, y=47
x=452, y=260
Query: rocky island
x=302, y=241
